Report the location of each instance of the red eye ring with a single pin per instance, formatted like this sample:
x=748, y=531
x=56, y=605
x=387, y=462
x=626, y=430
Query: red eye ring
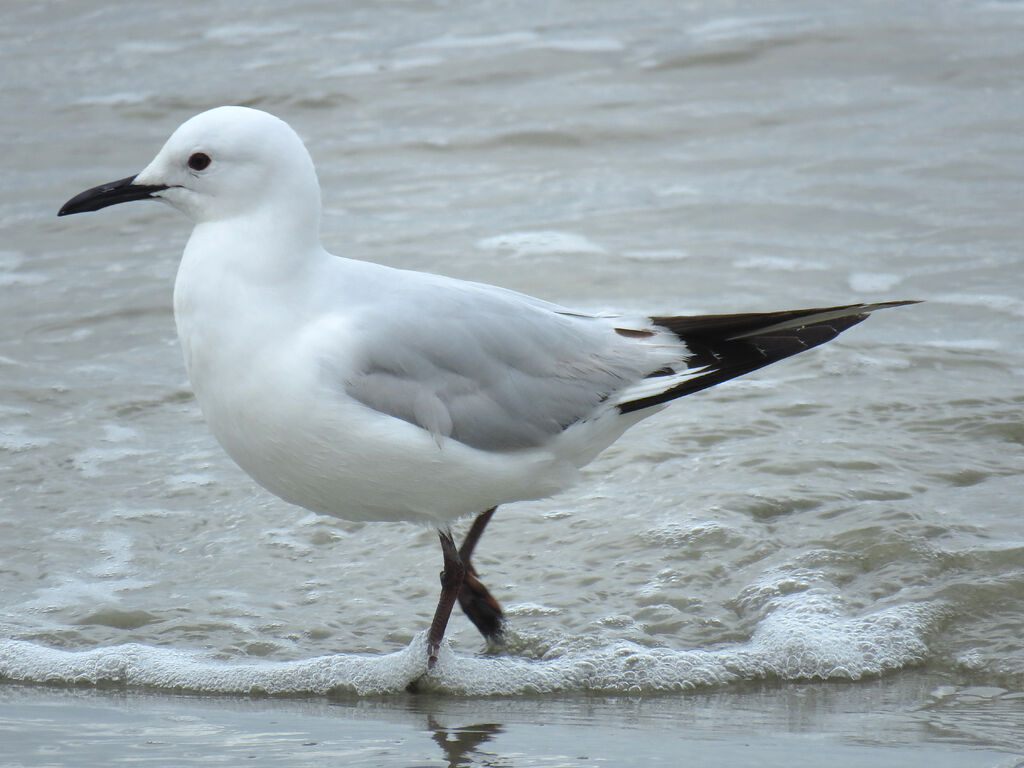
x=199, y=161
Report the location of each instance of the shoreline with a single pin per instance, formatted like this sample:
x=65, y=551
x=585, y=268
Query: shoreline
x=897, y=720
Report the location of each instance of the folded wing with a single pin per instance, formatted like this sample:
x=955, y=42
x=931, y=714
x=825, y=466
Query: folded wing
x=500, y=372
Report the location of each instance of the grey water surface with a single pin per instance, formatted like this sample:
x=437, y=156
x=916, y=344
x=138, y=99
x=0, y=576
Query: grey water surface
x=852, y=514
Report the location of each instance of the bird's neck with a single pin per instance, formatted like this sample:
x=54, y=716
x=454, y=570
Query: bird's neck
x=242, y=281
x=255, y=248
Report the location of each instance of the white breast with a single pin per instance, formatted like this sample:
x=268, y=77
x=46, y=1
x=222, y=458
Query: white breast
x=255, y=360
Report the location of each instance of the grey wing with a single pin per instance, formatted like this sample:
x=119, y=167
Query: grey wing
x=491, y=371
x=500, y=371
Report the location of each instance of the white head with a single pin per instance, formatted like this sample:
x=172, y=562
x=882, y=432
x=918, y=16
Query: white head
x=220, y=164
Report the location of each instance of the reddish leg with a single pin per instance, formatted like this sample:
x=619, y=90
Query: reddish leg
x=474, y=598
x=452, y=578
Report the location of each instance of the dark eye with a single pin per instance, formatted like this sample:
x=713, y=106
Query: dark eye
x=198, y=161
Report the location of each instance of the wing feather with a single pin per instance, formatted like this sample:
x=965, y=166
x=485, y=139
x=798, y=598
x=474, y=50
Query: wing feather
x=499, y=371
x=494, y=372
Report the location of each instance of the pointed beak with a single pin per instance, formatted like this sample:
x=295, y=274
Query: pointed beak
x=111, y=193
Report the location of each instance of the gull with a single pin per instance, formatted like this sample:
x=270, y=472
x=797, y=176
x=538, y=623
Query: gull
x=372, y=393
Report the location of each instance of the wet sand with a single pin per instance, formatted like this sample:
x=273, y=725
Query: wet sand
x=898, y=721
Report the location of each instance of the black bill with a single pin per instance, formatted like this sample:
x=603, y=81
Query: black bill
x=111, y=193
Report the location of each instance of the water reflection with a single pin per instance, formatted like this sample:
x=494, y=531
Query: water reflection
x=461, y=745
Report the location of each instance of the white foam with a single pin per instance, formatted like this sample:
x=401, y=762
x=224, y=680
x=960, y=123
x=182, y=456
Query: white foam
x=778, y=264
x=11, y=260
x=10, y=263
x=187, y=481
x=583, y=45
x=540, y=242
x=246, y=32
x=14, y=439
x=22, y=278
x=800, y=639
x=871, y=282
x=118, y=433
x=656, y=254
x=116, y=99
x=965, y=345
x=479, y=41
x=737, y=28
x=991, y=301
x=530, y=609
x=90, y=461
x=140, y=666
x=150, y=47
x=371, y=67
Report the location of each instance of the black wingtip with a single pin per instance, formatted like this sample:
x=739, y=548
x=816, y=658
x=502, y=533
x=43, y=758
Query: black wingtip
x=760, y=324
x=723, y=347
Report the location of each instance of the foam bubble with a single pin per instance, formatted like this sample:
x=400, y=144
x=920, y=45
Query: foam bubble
x=140, y=666
x=801, y=639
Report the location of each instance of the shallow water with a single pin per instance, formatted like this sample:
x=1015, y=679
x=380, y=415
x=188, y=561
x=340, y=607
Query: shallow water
x=851, y=513
x=793, y=725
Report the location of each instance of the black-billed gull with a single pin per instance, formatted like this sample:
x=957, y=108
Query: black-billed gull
x=373, y=393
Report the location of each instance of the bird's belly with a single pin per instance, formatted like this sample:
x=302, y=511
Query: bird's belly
x=325, y=452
